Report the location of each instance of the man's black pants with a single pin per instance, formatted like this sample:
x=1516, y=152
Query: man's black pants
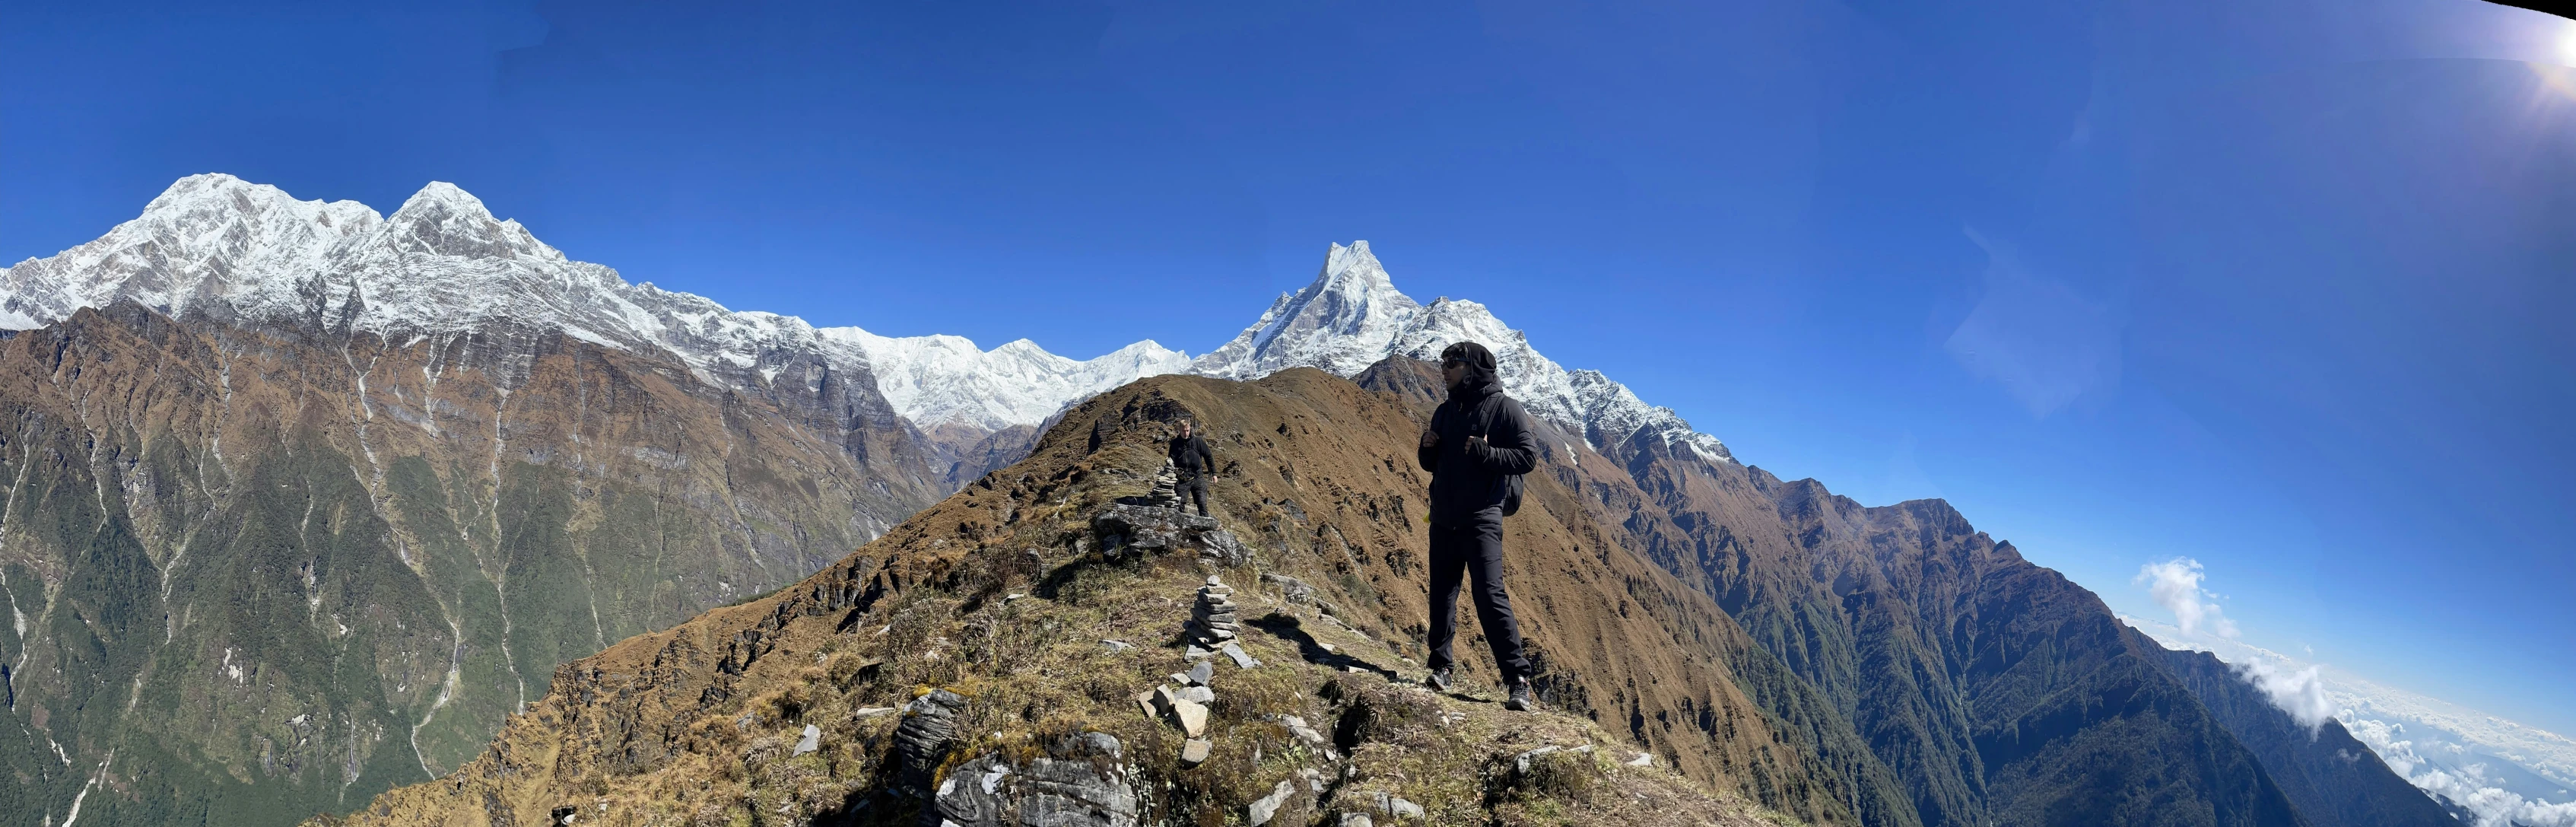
x=1474, y=550
x=1192, y=490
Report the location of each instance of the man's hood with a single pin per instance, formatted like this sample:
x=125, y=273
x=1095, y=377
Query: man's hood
x=1482, y=378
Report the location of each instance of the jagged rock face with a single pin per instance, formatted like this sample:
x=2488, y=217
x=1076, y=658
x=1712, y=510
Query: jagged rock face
x=260, y=575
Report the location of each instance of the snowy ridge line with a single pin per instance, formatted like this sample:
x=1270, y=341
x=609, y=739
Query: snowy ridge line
x=1352, y=316
x=443, y=265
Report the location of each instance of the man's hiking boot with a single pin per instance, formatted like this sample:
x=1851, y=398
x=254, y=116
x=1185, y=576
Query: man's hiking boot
x=1439, y=679
x=1521, y=700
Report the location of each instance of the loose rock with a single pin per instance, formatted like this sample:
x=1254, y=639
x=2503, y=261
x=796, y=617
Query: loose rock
x=1521, y=762
x=1297, y=591
x=812, y=741
x=1191, y=715
x=1241, y=660
x=1195, y=752
x=1396, y=808
x=1268, y=805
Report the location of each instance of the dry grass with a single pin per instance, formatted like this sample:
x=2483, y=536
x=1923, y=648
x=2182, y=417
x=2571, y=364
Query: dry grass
x=1036, y=669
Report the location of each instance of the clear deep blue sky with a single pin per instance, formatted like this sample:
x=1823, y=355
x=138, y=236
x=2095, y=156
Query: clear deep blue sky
x=2278, y=286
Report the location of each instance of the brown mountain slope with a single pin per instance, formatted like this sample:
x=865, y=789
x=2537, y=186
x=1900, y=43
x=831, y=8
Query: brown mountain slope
x=1992, y=689
x=1603, y=490
x=264, y=572
x=692, y=725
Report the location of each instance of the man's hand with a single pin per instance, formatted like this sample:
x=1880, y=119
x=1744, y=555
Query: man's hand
x=1475, y=443
x=1430, y=438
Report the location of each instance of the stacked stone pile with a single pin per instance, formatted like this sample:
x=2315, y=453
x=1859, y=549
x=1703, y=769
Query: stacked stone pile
x=1212, y=619
x=1167, y=487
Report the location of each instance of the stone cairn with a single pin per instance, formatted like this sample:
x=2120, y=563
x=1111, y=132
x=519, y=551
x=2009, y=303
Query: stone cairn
x=1212, y=619
x=1167, y=487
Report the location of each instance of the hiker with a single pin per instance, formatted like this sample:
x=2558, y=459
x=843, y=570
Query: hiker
x=1478, y=440
x=1193, y=462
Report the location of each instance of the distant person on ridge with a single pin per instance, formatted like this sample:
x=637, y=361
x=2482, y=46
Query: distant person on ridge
x=1190, y=457
x=1478, y=440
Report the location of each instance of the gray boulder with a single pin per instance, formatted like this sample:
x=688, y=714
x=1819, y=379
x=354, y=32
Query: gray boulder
x=929, y=728
x=1078, y=782
x=1124, y=529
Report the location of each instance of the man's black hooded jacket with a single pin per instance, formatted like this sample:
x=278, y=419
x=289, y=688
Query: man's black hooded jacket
x=1467, y=482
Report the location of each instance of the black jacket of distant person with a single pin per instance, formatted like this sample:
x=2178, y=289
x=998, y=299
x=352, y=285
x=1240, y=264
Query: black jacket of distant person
x=1468, y=479
x=1190, y=456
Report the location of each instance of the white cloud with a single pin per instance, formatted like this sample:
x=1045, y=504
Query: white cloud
x=2175, y=585
x=2468, y=787
x=2440, y=747
x=2296, y=691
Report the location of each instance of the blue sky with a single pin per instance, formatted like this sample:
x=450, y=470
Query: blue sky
x=2277, y=286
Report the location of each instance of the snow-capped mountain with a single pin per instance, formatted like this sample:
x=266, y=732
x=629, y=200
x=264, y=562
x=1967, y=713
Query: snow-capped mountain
x=944, y=379
x=1352, y=316
x=443, y=265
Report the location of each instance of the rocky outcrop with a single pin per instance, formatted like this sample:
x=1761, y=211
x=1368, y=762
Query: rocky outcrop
x=1124, y=530
x=922, y=741
x=1079, y=781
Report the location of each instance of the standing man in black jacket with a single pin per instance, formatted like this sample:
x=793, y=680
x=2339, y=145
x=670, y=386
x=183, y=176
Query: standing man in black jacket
x=1190, y=457
x=1478, y=439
